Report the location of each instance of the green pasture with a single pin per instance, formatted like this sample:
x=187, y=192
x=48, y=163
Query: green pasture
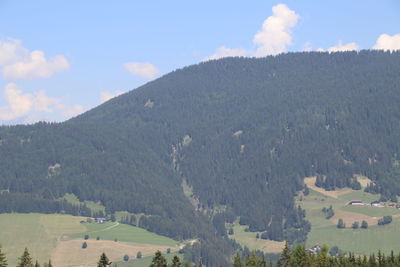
x=146, y=261
x=123, y=232
x=362, y=241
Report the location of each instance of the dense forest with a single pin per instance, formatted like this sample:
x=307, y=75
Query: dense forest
x=238, y=134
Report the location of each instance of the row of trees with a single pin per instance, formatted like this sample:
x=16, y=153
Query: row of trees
x=341, y=224
x=301, y=257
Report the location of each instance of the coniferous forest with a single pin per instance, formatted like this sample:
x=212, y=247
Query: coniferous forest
x=239, y=134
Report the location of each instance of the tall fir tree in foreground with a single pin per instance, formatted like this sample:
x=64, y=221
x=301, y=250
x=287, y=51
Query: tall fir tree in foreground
x=25, y=260
x=3, y=259
x=104, y=261
x=158, y=260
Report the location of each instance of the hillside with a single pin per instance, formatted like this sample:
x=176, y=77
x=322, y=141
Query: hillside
x=240, y=133
x=60, y=236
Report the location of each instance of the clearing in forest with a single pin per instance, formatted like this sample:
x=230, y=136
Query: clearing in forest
x=363, y=241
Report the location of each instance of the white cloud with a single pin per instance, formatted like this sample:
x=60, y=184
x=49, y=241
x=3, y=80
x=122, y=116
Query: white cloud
x=387, y=42
x=18, y=63
x=272, y=39
x=105, y=96
x=275, y=35
x=31, y=107
x=223, y=51
x=340, y=47
x=19, y=104
x=143, y=69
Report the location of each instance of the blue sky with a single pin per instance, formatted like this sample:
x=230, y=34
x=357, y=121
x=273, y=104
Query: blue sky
x=61, y=58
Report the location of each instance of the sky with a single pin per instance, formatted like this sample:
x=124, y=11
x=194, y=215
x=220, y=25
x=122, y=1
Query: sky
x=59, y=59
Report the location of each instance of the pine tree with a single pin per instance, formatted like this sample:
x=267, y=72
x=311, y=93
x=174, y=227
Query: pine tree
x=103, y=262
x=299, y=257
x=237, y=262
x=3, y=260
x=176, y=262
x=285, y=256
x=158, y=260
x=25, y=260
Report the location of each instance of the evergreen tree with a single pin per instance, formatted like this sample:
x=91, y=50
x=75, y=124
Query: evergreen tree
x=103, y=262
x=237, y=262
x=284, y=259
x=37, y=264
x=299, y=257
x=158, y=260
x=3, y=259
x=176, y=262
x=25, y=260
x=48, y=264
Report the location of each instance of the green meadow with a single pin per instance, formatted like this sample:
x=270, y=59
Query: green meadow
x=361, y=241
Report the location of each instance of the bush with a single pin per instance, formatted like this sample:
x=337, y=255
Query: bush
x=139, y=255
x=341, y=224
x=364, y=225
x=86, y=237
x=168, y=250
x=84, y=245
x=126, y=258
x=355, y=225
x=335, y=251
x=385, y=220
x=230, y=232
x=264, y=235
x=98, y=238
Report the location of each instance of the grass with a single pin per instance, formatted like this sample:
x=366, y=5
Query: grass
x=124, y=233
x=58, y=237
x=372, y=211
x=362, y=241
x=145, y=261
x=95, y=207
x=249, y=240
x=40, y=233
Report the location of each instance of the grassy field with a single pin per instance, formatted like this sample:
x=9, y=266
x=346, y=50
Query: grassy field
x=124, y=233
x=60, y=236
x=361, y=241
x=249, y=239
x=145, y=261
x=40, y=233
x=95, y=207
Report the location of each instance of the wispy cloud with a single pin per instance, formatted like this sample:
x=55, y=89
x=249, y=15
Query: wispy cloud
x=142, y=69
x=18, y=63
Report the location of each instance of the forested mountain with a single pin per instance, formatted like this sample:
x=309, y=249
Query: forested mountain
x=242, y=133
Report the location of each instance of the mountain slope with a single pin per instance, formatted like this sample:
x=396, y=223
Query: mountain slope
x=242, y=132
